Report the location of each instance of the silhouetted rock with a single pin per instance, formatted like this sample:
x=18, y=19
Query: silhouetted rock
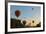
x=39, y=25
x=15, y=23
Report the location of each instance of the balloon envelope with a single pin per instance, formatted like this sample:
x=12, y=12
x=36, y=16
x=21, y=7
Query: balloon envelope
x=17, y=13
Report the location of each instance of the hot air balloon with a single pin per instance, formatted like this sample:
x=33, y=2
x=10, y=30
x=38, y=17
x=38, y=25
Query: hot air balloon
x=32, y=8
x=17, y=13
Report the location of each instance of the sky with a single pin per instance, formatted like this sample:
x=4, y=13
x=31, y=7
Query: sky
x=27, y=12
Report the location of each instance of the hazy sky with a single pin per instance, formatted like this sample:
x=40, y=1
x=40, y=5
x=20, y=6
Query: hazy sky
x=27, y=12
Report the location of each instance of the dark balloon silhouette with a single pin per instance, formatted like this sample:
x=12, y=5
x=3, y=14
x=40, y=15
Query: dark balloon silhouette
x=33, y=21
x=32, y=8
x=24, y=22
x=17, y=13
